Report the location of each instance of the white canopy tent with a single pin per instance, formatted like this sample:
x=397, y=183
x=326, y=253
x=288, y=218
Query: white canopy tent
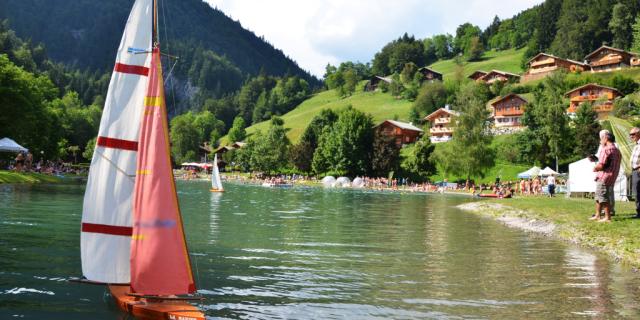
x=8, y=145
x=533, y=172
x=582, y=179
x=547, y=172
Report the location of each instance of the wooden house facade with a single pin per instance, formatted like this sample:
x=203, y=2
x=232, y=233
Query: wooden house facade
x=605, y=59
x=476, y=75
x=543, y=64
x=429, y=74
x=508, y=111
x=402, y=132
x=441, y=124
x=498, y=76
x=374, y=82
x=602, y=98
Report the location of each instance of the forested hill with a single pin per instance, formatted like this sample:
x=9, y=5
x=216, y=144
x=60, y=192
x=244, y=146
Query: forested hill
x=86, y=33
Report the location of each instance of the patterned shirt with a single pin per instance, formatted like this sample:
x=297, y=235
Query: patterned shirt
x=635, y=156
x=610, y=161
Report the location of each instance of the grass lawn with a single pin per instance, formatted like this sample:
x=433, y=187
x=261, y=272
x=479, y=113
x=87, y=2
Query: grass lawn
x=618, y=238
x=381, y=106
x=507, y=60
x=31, y=177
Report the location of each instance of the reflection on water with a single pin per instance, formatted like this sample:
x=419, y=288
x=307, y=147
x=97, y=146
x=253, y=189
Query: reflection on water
x=312, y=253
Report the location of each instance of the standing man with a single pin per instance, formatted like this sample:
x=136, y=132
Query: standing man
x=607, y=172
x=634, y=134
x=551, y=185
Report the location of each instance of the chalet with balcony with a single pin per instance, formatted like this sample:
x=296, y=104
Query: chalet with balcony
x=508, y=111
x=602, y=98
x=498, y=76
x=403, y=133
x=477, y=75
x=543, y=64
x=373, y=83
x=442, y=123
x=606, y=59
x=429, y=74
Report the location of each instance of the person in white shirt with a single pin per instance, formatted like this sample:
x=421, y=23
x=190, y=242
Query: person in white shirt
x=551, y=184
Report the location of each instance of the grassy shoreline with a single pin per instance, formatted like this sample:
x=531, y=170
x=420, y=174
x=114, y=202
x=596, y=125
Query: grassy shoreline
x=568, y=219
x=26, y=177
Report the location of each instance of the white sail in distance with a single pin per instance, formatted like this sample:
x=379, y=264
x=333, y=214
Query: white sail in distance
x=216, y=184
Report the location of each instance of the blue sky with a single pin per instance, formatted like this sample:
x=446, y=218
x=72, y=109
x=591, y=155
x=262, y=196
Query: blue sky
x=317, y=32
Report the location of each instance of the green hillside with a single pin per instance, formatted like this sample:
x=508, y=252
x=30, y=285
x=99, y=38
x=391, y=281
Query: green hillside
x=381, y=106
x=507, y=60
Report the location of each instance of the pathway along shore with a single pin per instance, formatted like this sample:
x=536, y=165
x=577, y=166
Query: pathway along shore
x=568, y=220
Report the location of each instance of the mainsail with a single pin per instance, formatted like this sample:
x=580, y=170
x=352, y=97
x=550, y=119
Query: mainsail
x=159, y=257
x=107, y=210
x=216, y=184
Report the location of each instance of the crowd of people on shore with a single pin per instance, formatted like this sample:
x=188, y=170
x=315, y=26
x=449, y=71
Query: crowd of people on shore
x=23, y=162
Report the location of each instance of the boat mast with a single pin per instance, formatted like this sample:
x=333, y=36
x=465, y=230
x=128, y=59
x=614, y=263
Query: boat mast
x=154, y=35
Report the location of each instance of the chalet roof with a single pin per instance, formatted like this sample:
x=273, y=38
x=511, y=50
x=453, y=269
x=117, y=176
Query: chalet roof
x=592, y=85
x=507, y=96
x=435, y=113
x=238, y=144
x=427, y=68
x=504, y=73
x=403, y=125
x=385, y=79
x=224, y=149
x=480, y=72
x=555, y=57
x=610, y=48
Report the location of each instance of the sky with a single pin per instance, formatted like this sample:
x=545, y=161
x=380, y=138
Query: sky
x=316, y=32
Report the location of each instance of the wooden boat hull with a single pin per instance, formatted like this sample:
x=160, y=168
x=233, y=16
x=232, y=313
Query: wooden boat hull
x=146, y=309
x=216, y=190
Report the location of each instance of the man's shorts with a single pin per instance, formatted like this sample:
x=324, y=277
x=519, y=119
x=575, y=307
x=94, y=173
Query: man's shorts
x=603, y=192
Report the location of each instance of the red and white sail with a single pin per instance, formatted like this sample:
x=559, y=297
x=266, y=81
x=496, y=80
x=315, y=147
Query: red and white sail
x=159, y=257
x=108, y=201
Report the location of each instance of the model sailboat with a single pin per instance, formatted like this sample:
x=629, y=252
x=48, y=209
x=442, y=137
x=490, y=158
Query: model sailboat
x=132, y=235
x=216, y=184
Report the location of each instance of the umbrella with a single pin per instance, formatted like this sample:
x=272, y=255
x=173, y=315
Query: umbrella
x=9, y=145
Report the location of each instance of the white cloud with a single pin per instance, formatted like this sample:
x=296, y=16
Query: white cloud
x=317, y=32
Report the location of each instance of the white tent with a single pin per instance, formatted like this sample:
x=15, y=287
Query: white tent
x=547, y=172
x=533, y=172
x=8, y=145
x=582, y=179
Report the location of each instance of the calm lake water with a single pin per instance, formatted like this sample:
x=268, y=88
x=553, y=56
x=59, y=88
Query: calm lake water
x=262, y=253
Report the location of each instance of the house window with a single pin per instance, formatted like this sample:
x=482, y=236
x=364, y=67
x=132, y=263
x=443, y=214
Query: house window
x=407, y=139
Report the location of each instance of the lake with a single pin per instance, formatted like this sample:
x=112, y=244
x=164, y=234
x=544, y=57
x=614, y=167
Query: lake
x=309, y=253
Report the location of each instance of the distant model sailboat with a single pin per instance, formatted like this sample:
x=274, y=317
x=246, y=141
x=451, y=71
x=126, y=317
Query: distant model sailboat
x=216, y=184
x=132, y=236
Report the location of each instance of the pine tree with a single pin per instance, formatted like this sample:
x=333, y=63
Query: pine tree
x=635, y=47
x=620, y=26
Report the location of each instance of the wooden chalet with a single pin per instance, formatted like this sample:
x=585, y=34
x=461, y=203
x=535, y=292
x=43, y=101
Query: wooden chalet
x=508, y=111
x=607, y=58
x=477, y=75
x=543, y=64
x=441, y=124
x=602, y=98
x=498, y=76
x=404, y=133
x=429, y=74
x=374, y=81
